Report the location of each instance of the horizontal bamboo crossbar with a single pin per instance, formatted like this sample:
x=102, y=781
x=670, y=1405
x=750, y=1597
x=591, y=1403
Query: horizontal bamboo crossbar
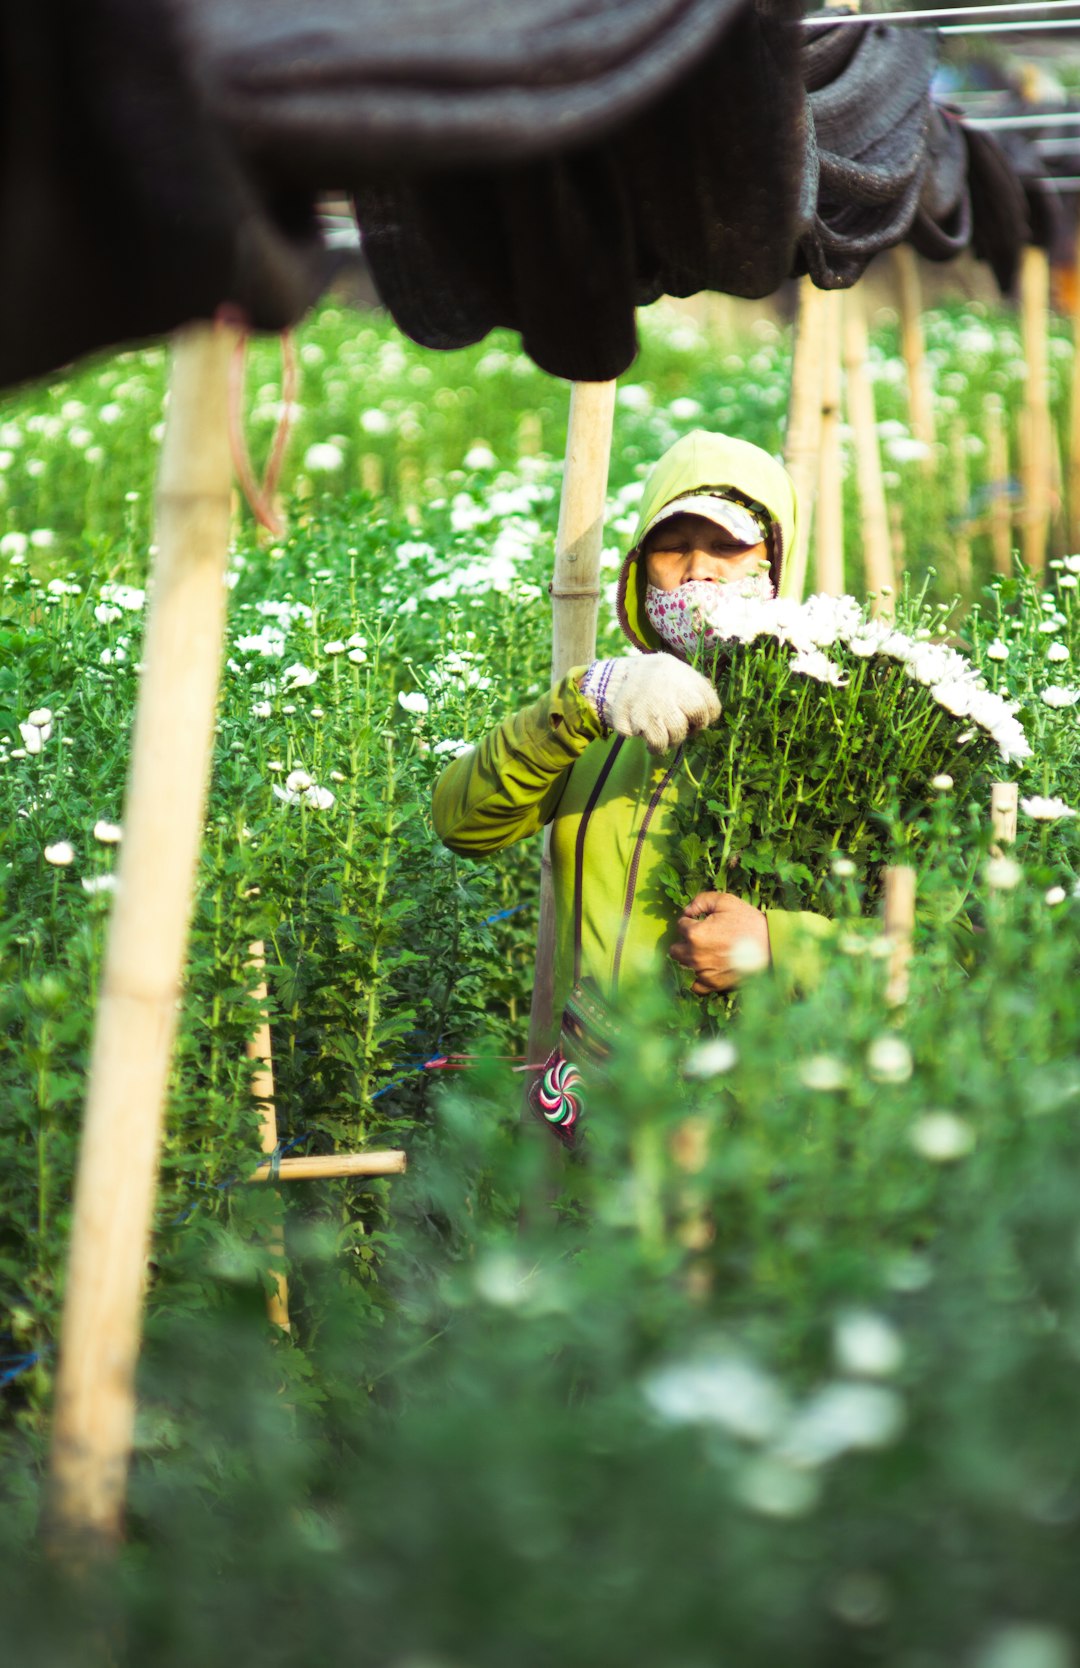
x=325, y=1166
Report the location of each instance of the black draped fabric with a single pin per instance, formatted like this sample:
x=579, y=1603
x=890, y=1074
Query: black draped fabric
x=698, y=191
x=124, y=209
x=431, y=83
x=543, y=164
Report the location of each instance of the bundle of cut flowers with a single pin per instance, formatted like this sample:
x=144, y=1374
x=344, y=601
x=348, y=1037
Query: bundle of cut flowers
x=839, y=731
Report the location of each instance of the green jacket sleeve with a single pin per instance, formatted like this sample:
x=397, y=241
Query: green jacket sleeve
x=510, y=785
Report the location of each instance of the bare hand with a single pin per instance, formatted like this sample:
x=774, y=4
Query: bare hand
x=720, y=938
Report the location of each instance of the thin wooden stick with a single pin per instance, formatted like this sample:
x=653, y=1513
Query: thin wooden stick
x=329, y=1166
x=802, y=442
x=997, y=457
x=1074, y=409
x=1035, y=465
x=1004, y=803
x=961, y=574
x=371, y=473
x=259, y=1049
x=530, y=434
x=877, y=541
x=899, y=928
x=144, y=958
x=575, y=595
x=829, y=538
x=920, y=404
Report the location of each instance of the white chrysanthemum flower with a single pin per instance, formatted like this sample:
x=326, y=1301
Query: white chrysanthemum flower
x=942, y=782
x=375, y=422
x=1048, y=626
x=337, y=776
x=866, y=1345
x=1057, y=652
x=106, y=612
x=108, y=833
x=14, y=544
x=942, y=1137
x=454, y=747
x=480, y=457
x=318, y=797
x=889, y=1060
x=1072, y=564
x=261, y=709
x=98, y=883
x=131, y=597
x=823, y=1072
x=299, y=676
x=812, y=663
x=298, y=780
x=413, y=700
x=324, y=458
x=1046, y=809
x=335, y=647
x=955, y=696
x=842, y=1416
x=34, y=735
x=842, y=867
x=712, y=1058
x=1002, y=874
x=358, y=656
x=997, y=650
x=1055, y=895
x=724, y=1390
x=1055, y=695
x=60, y=854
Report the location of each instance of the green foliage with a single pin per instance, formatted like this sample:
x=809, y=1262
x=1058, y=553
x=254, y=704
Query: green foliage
x=787, y=1372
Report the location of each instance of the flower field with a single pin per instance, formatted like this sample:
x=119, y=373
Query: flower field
x=791, y=1374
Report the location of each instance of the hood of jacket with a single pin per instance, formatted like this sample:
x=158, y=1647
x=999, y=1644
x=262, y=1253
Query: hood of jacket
x=708, y=462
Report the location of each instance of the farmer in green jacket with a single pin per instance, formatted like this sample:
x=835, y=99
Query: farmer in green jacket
x=598, y=757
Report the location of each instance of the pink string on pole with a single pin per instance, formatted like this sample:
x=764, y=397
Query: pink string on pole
x=259, y=494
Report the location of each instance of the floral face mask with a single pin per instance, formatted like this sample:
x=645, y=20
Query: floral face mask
x=703, y=612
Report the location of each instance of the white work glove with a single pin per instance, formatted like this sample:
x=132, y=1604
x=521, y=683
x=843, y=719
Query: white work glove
x=654, y=696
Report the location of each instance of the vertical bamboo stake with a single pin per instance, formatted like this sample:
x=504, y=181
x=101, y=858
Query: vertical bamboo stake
x=877, y=542
x=1074, y=410
x=802, y=443
x=899, y=929
x=575, y=594
x=997, y=457
x=1035, y=432
x=371, y=473
x=920, y=404
x=408, y=474
x=1004, y=801
x=140, y=987
x=829, y=541
x=259, y=1049
x=530, y=435
x=961, y=496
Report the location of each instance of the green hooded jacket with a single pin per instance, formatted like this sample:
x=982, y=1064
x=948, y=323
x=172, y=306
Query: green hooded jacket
x=551, y=763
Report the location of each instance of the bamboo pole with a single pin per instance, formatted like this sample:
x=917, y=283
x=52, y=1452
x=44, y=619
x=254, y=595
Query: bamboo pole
x=530, y=434
x=259, y=1050
x=913, y=346
x=140, y=986
x=1074, y=412
x=877, y=539
x=829, y=539
x=961, y=478
x=997, y=458
x=1035, y=466
x=332, y=1166
x=1004, y=803
x=802, y=442
x=575, y=594
x=371, y=473
x=899, y=929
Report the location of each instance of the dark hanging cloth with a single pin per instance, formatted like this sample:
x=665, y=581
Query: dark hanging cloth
x=308, y=86
x=124, y=209
x=877, y=153
x=697, y=191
